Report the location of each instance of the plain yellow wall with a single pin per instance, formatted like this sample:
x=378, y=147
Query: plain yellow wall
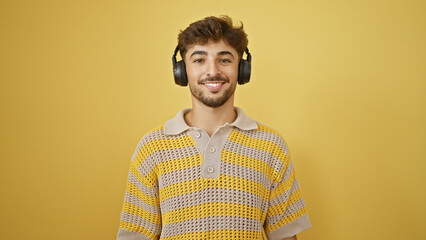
x=343, y=81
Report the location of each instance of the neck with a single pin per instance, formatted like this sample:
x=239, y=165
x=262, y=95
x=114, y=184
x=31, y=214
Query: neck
x=210, y=119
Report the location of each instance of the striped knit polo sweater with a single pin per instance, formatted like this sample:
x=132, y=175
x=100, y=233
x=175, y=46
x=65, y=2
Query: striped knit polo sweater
x=239, y=183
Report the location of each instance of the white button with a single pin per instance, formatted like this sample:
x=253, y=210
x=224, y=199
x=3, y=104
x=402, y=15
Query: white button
x=210, y=169
x=197, y=135
x=212, y=149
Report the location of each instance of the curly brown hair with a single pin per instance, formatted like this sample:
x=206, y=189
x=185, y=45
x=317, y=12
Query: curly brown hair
x=213, y=28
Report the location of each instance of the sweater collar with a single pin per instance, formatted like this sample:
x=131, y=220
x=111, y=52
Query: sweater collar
x=178, y=125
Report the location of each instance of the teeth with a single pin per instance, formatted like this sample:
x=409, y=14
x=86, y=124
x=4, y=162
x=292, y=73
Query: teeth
x=213, y=84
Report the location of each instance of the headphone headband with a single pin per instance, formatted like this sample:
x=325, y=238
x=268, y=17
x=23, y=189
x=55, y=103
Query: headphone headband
x=174, y=55
x=248, y=55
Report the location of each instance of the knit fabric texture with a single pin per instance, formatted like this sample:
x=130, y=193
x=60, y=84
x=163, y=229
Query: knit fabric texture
x=255, y=195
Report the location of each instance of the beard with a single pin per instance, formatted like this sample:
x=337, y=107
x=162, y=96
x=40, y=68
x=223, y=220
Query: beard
x=214, y=101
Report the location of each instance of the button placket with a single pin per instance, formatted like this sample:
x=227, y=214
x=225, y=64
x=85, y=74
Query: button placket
x=200, y=139
x=212, y=155
x=210, y=148
x=210, y=159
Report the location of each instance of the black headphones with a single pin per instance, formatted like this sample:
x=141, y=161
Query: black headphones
x=179, y=69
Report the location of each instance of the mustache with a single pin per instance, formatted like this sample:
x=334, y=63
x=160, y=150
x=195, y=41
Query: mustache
x=215, y=78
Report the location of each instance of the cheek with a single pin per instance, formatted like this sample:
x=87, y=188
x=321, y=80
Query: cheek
x=233, y=72
x=234, y=68
x=192, y=72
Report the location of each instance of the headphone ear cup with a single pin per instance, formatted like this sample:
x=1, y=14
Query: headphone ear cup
x=179, y=71
x=244, y=72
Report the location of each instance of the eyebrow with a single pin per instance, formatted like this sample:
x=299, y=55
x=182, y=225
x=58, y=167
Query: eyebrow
x=205, y=53
x=198, y=52
x=225, y=53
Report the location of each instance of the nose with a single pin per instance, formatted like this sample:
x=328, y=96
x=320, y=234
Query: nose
x=213, y=69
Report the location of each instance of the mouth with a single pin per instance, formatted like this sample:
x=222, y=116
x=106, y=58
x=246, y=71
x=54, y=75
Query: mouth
x=215, y=85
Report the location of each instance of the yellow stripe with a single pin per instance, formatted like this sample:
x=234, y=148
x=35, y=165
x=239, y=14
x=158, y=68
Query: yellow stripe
x=283, y=187
x=162, y=144
x=149, y=148
x=280, y=208
x=138, y=211
x=260, y=144
x=189, y=235
x=135, y=191
x=180, y=163
x=224, y=181
x=217, y=234
x=136, y=228
x=212, y=209
x=249, y=162
x=286, y=220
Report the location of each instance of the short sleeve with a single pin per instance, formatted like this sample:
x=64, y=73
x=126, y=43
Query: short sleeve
x=286, y=215
x=140, y=216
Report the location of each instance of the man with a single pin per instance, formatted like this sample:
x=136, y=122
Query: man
x=212, y=172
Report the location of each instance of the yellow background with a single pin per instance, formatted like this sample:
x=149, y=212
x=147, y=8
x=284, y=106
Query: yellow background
x=83, y=81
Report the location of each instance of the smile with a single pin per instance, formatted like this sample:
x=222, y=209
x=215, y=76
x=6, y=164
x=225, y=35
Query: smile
x=214, y=85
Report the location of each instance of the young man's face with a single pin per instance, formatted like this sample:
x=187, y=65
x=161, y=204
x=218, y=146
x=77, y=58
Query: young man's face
x=212, y=71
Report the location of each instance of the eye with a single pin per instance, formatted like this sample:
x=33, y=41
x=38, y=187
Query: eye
x=198, y=60
x=225, y=60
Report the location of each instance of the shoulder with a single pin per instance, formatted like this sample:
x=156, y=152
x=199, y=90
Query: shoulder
x=157, y=139
x=149, y=140
x=266, y=144
x=268, y=136
x=153, y=135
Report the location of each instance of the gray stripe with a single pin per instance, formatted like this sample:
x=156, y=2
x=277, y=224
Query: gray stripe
x=174, y=153
x=255, y=153
x=124, y=234
x=213, y=195
x=137, y=202
x=291, y=209
x=288, y=171
x=286, y=175
x=154, y=135
x=146, y=190
x=285, y=195
x=179, y=176
x=167, y=154
x=294, y=207
x=212, y=223
x=290, y=229
x=130, y=218
x=268, y=136
x=247, y=173
x=147, y=165
x=164, y=156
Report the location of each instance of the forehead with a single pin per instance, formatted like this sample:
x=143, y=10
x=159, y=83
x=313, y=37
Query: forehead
x=211, y=48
